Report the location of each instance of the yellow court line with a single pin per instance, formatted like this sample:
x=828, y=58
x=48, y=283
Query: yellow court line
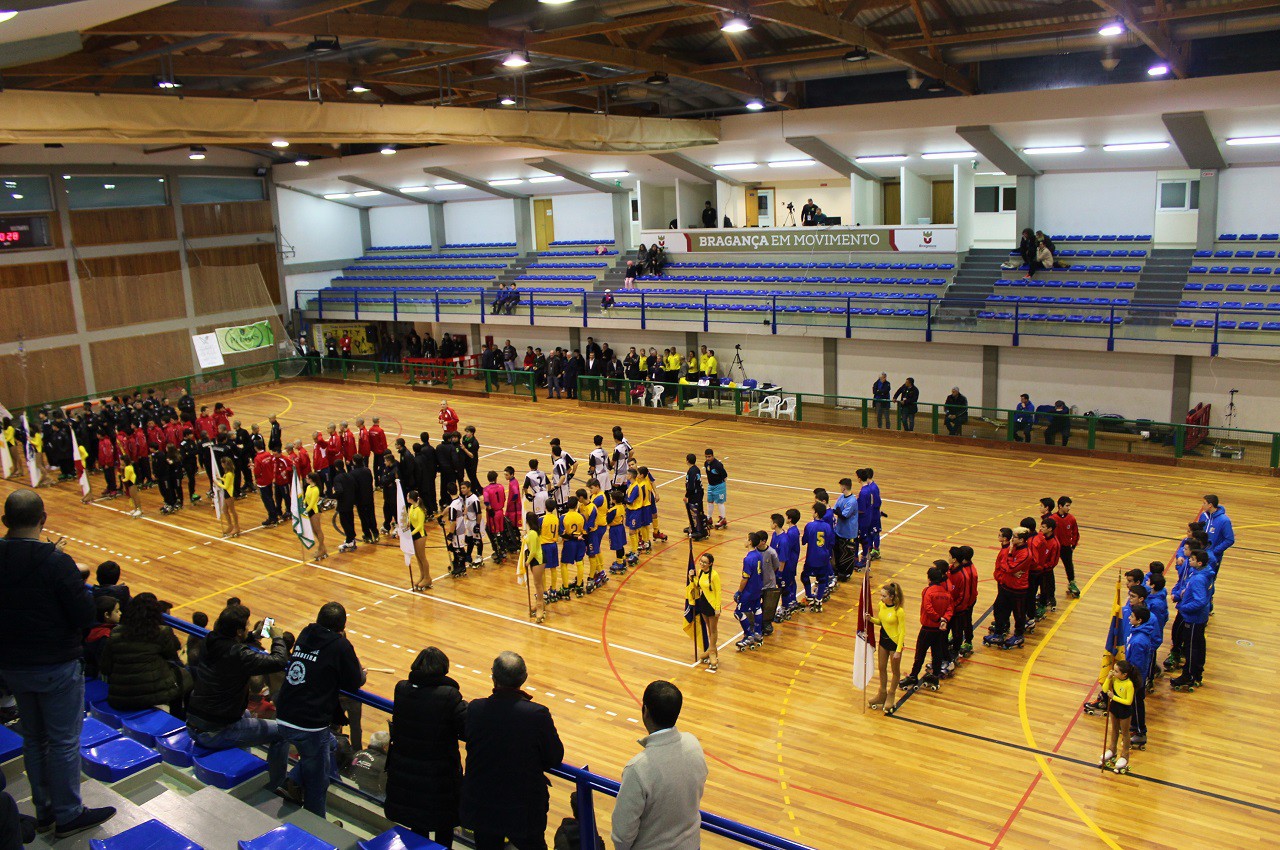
x=1037, y=460
x=669, y=433
x=288, y=402
x=190, y=602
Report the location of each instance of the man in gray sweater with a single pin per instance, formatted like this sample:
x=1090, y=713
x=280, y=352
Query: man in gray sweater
x=658, y=804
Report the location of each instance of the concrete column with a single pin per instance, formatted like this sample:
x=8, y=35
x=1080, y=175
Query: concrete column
x=476, y=339
x=366, y=230
x=690, y=343
x=621, y=220
x=829, y=366
x=1025, y=192
x=280, y=273
x=188, y=295
x=1207, y=223
x=435, y=215
x=916, y=197
x=990, y=375
x=523, y=211
x=575, y=340
x=1181, y=390
x=73, y=275
x=962, y=203
x=865, y=199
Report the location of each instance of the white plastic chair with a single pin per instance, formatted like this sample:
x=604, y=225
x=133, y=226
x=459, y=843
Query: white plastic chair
x=787, y=409
x=768, y=406
x=655, y=396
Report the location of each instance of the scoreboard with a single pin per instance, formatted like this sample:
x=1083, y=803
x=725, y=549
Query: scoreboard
x=25, y=231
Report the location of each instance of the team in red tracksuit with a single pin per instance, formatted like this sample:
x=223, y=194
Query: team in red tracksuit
x=1068, y=535
x=173, y=433
x=141, y=457
x=283, y=481
x=205, y=429
x=936, y=610
x=362, y=441
x=302, y=462
x=1012, y=573
x=377, y=446
x=347, y=443
x=1045, y=551
x=156, y=437
x=107, y=461
x=321, y=459
x=264, y=475
x=962, y=580
x=222, y=417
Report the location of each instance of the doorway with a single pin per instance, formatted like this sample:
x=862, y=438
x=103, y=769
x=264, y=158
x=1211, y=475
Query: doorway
x=753, y=209
x=892, y=213
x=765, y=207
x=544, y=223
x=944, y=202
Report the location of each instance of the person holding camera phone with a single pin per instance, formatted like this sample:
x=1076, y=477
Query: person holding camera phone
x=217, y=714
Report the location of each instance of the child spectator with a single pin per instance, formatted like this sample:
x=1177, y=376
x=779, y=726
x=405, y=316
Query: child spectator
x=569, y=834
x=195, y=645
x=936, y=611
x=260, y=706
x=108, y=575
x=108, y=618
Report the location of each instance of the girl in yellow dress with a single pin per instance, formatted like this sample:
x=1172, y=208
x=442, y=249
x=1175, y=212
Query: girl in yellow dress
x=311, y=510
x=703, y=593
x=416, y=519
x=227, y=484
x=534, y=566
x=892, y=620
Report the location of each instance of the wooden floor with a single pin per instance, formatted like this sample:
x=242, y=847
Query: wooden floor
x=1001, y=756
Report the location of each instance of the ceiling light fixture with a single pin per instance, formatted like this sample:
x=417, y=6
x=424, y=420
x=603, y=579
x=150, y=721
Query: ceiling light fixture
x=196, y=152
x=387, y=150
x=1054, y=150
x=755, y=104
x=337, y=196
x=949, y=155
x=857, y=54
x=550, y=178
x=514, y=181
x=736, y=166
x=108, y=185
x=167, y=83
x=7, y=15
x=302, y=163
x=413, y=190
x=1160, y=70
x=658, y=78
x=1254, y=140
x=737, y=23
x=935, y=86
x=279, y=143
x=357, y=87
x=16, y=196
x=507, y=100
x=602, y=175
x=871, y=160
x=447, y=187
x=368, y=193
x=516, y=59
x=790, y=163
x=1112, y=29
x=555, y=2
x=323, y=45
x=1136, y=146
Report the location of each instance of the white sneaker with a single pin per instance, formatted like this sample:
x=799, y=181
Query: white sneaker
x=136, y=512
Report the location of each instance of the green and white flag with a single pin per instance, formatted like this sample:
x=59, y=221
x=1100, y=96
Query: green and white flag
x=301, y=524
x=218, y=493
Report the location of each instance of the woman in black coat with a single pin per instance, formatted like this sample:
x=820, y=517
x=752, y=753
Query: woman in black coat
x=424, y=766
x=140, y=661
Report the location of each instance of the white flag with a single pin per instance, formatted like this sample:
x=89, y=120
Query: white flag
x=301, y=525
x=81, y=475
x=218, y=494
x=864, y=644
x=33, y=463
x=402, y=525
x=6, y=460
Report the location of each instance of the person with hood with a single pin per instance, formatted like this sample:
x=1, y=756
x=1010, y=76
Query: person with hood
x=140, y=661
x=1194, y=598
x=108, y=611
x=217, y=714
x=424, y=764
x=1140, y=651
x=1218, y=526
x=323, y=663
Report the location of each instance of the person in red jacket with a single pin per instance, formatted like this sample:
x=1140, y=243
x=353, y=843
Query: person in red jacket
x=173, y=433
x=1013, y=567
x=344, y=345
x=107, y=462
x=283, y=480
x=156, y=437
x=205, y=429
x=301, y=462
x=321, y=458
x=362, y=439
x=1068, y=538
x=962, y=579
x=335, y=444
x=221, y=417
x=264, y=475
x=377, y=445
x=346, y=443
x=142, y=457
x=448, y=417
x=936, y=610
x=1046, y=550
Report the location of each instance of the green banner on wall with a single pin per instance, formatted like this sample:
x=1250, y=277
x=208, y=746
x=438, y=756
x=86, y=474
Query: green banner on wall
x=244, y=338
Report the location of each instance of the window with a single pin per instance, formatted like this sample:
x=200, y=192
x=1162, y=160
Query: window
x=635, y=210
x=1178, y=195
x=216, y=190
x=994, y=199
x=25, y=194
x=95, y=193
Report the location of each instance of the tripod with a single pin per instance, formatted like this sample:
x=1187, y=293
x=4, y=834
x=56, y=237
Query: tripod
x=790, y=219
x=737, y=364
x=1230, y=417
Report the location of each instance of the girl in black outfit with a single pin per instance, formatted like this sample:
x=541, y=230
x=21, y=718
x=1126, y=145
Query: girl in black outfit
x=140, y=661
x=424, y=767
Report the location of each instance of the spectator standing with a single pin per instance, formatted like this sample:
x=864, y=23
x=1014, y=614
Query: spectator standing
x=708, y=215
x=809, y=214
x=45, y=609
x=658, y=803
x=424, y=765
x=511, y=743
x=907, y=396
x=955, y=412
x=323, y=663
x=217, y=715
x=880, y=392
x=509, y=361
x=448, y=418
x=573, y=368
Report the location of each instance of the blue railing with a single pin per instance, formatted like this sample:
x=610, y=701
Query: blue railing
x=585, y=783
x=839, y=312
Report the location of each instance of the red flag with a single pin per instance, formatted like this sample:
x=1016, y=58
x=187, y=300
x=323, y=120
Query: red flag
x=864, y=644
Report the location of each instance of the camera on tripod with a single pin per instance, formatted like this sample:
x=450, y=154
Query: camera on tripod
x=791, y=207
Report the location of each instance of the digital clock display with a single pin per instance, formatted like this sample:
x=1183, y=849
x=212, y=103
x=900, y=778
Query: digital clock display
x=28, y=231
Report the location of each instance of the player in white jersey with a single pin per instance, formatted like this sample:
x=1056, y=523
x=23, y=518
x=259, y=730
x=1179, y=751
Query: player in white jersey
x=535, y=487
x=621, y=459
x=599, y=465
x=561, y=480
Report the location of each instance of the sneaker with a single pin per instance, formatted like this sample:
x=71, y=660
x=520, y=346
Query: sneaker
x=290, y=791
x=87, y=819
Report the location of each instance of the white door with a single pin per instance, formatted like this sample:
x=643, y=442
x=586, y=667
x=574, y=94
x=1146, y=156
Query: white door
x=764, y=200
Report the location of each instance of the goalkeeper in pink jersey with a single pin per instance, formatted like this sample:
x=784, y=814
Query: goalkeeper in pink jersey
x=495, y=502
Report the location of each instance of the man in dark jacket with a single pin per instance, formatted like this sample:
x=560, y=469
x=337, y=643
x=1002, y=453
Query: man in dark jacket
x=45, y=609
x=511, y=743
x=956, y=410
x=344, y=492
x=386, y=482
x=708, y=215
x=425, y=461
x=363, y=480
x=880, y=392
x=216, y=715
x=907, y=396
x=573, y=367
x=424, y=767
x=449, y=464
x=323, y=663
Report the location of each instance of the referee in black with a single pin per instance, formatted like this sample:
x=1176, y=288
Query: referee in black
x=693, y=495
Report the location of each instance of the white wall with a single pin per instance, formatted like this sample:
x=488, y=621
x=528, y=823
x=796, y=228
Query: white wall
x=867, y=201
x=831, y=196
x=311, y=280
x=1247, y=200
x=1257, y=403
x=1111, y=202
x=917, y=196
x=585, y=216
x=1132, y=385
x=319, y=229
x=937, y=368
x=731, y=201
x=690, y=198
x=480, y=221
x=793, y=362
x=406, y=225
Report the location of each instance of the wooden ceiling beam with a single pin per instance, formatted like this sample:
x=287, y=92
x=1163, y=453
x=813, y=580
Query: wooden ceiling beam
x=1172, y=52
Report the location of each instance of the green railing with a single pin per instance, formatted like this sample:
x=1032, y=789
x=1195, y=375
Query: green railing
x=1247, y=447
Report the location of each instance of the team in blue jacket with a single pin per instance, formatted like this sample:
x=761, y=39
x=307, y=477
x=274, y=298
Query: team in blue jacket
x=1217, y=525
x=869, y=516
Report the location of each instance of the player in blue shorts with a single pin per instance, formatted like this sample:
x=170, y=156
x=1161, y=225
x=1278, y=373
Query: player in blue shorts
x=716, y=488
x=593, y=506
x=615, y=517
x=634, y=500
x=574, y=551
x=549, y=533
x=748, y=597
x=819, y=538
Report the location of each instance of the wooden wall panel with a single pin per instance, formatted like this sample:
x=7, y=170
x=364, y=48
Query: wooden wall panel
x=225, y=219
x=50, y=374
x=140, y=359
x=111, y=302
x=264, y=254
x=34, y=312
x=121, y=226
x=131, y=265
x=32, y=274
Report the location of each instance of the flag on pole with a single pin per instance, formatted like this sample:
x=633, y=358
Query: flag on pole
x=1114, y=648
x=6, y=460
x=33, y=464
x=403, y=531
x=81, y=476
x=218, y=494
x=864, y=643
x=694, y=626
x=301, y=524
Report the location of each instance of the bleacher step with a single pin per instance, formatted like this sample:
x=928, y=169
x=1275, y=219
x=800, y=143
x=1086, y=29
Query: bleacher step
x=210, y=817
x=93, y=794
x=279, y=810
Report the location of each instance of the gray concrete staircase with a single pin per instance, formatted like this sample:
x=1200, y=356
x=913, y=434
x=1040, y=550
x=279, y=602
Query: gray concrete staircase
x=1163, y=276
x=974, y=281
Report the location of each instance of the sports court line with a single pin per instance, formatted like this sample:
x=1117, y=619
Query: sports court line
x=1126, y=533
x=790, y=487
x=299, y=562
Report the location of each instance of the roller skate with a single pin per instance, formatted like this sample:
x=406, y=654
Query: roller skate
x=660, y=537
x=1041, y=610
x=767, y=628
x=815, y=605
x=633, y=559
x=1121, y=765
x=875, y=554
x=1108, y=760
x=995, y=639
x=966, y=649
x=576, y=589
x=909, y=683
x=1031, y=625
x=1097, y=707
x=549, y=597
x=929, y=682
x=1014, y=642
x=1139, y=741
x=1184, y=683
x=744, y=644
x=1173, y=662
x=617, y=567
x=1053, y=605
x=1073, y=590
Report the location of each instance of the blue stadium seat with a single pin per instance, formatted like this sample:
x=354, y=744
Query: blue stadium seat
x=226, y=769
x=1271, y=326
x=116, y=759
x=1222, y=255
x=1228, y=237
x=149, y=725
x=149, y=835
x=1248, y=326
x=286, y=837
x=92, y=733
x=1182, y=323
x=398, y=838
x=113, y=717
x=176, y=749
x=10, y=744
x=95, y=690
x=1261, y=270
x=1198, y=270
x=1239, y=269
x=1204, y=323
x=1248, y=237
x=1227, y=325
